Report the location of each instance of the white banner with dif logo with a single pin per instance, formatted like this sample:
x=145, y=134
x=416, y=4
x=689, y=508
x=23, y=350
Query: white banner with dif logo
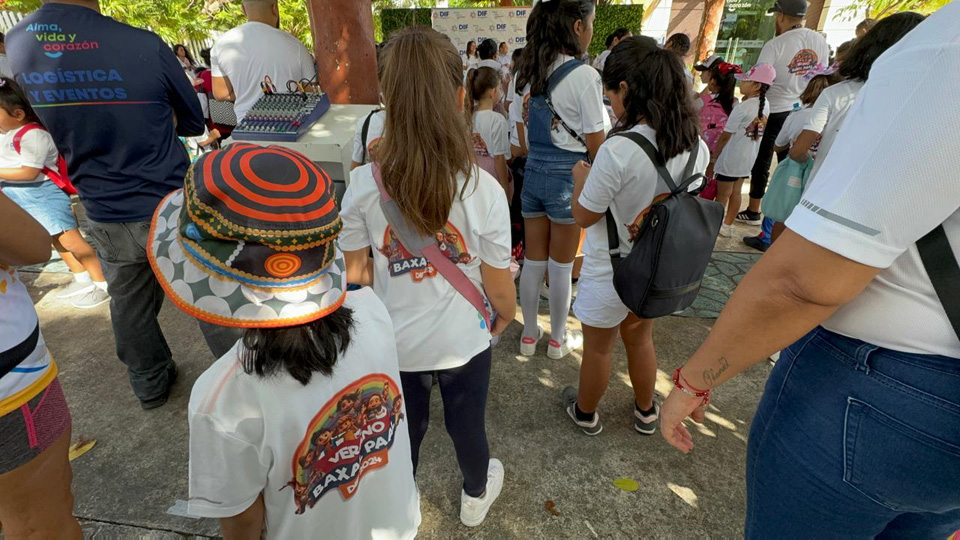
x=501, y=24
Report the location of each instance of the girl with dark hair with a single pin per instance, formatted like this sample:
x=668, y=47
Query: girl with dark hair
x=471, y=57
x=830, y=110
x=647, y=88
x=305, y=388
x=491, y=142
x=33, y=162
x=737, y=149
x=716, y=104
x=426, y=164
x=789, y=180
x=566, y=122
x=184, y=57
x=613, y=39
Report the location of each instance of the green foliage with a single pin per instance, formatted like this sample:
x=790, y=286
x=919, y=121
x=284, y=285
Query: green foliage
x=181, y=20
x=394, y=19
x=878, y=9
x=611, y=17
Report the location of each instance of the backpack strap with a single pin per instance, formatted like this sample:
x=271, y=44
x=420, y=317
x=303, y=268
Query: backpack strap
x=427, y=247
x=18, y=137
x=365, y=130
x=941, y=265
x=660, y=163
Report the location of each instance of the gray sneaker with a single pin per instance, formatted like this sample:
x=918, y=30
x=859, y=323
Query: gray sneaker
x=593, y=427
x=74, y=289
x=92, y=299
x=646, y=424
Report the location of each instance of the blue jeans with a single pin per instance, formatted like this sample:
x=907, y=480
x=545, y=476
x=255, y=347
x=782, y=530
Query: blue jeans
x=855, y=441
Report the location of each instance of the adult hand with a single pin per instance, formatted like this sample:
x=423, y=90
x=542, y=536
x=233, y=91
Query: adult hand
x=580, y=172
x=675, y=409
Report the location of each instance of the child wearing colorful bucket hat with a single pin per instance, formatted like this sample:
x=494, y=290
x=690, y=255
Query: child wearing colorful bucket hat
x=250, y=242
x=739, y=145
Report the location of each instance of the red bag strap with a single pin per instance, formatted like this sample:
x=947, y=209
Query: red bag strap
x=18, y=137
x=428, y=248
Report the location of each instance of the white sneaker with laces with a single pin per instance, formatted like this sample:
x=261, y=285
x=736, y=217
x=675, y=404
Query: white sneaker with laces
x=473, y=510
x=572, y=341
x=92, y=299
x=528, y=345
x=726, y=231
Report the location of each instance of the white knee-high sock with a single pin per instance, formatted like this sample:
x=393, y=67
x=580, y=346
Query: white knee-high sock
x=530, y=280
x=561, y=287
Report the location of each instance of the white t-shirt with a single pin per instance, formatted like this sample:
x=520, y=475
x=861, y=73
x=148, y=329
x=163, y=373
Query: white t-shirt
x=491, y=127
x=515, y=112
x=578, y=99
x=624, y=180
x=37, y=150
x=18, y=320
x=828, y=114
x=251, y=51
x=792, y=127
x=793, y=53
x=881, y=189
x=436, y=327
x=470, y=62
x=374, y=134
x=601, y=60
x=331, y=456
x=505, y=62
x=737, y=158
x=492, y=64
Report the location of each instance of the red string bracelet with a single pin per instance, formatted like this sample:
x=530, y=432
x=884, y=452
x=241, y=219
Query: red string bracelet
x=679, y=381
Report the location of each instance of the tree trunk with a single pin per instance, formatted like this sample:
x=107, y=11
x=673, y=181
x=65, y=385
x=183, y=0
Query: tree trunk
x=506, y=3
x=345, y=51
x=814, y=14
x=709, y=28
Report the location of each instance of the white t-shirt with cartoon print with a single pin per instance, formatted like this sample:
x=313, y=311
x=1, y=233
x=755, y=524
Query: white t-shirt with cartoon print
x=374, y=133
x=793, y=53
x=737, y=158
x=828, y=114
x=331, y=456
x=491, y=127
x=624, y=180
x=578, y=99
x=436, y=327
x=37, y=150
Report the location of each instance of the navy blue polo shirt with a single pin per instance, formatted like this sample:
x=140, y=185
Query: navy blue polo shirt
x=110, y=95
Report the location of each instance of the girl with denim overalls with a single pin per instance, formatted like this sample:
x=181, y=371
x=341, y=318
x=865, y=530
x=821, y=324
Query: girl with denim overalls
x=564, y=122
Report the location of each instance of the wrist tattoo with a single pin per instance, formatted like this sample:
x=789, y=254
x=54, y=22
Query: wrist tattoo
x=711, y=376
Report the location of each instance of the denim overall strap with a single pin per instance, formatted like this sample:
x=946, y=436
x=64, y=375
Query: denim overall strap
x=541, y=117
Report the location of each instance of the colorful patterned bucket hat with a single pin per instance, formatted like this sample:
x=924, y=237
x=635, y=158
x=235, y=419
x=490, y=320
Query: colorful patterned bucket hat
x=249, y=241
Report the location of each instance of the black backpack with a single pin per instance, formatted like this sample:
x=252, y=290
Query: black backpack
x=662, y=273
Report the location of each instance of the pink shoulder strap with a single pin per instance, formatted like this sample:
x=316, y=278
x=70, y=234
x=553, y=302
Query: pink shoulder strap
x=428, y=248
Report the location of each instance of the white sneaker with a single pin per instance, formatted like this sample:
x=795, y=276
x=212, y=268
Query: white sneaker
x=473, y=510
x=92, y=299
x=774, y=357
x=726, y=231
x=75, y=288
x=571, y=341
x=528, y=345
x=544, y=291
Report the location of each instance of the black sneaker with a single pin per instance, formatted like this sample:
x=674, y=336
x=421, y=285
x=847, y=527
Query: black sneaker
x=756, y=243
x=750, y=218
x=646, y=424
x=593, y=427
x=172, y=373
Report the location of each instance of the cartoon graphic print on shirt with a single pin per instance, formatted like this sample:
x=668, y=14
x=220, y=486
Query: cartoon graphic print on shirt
x=479, y=146
x=759, y=125
x=350, y=437
x=401, y=261
x=804, y=61
x=634, y=228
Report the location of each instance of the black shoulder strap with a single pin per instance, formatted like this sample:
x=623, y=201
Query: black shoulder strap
x=558, y=75
x=365, y=130
x=941, y=265
x=660, y=163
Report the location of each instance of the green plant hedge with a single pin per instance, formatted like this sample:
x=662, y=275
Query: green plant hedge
x=394, y=19
x=609, y=18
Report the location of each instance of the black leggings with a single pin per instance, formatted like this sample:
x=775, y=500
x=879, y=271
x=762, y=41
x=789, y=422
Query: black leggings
x=464, y=393
x=761, y=167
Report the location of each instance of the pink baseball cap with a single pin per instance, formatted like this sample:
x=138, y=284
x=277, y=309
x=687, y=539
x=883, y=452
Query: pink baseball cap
x=761, y=73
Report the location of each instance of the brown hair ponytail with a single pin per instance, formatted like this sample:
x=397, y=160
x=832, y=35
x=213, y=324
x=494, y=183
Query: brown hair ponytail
x=426, y=144
x=479, y=82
